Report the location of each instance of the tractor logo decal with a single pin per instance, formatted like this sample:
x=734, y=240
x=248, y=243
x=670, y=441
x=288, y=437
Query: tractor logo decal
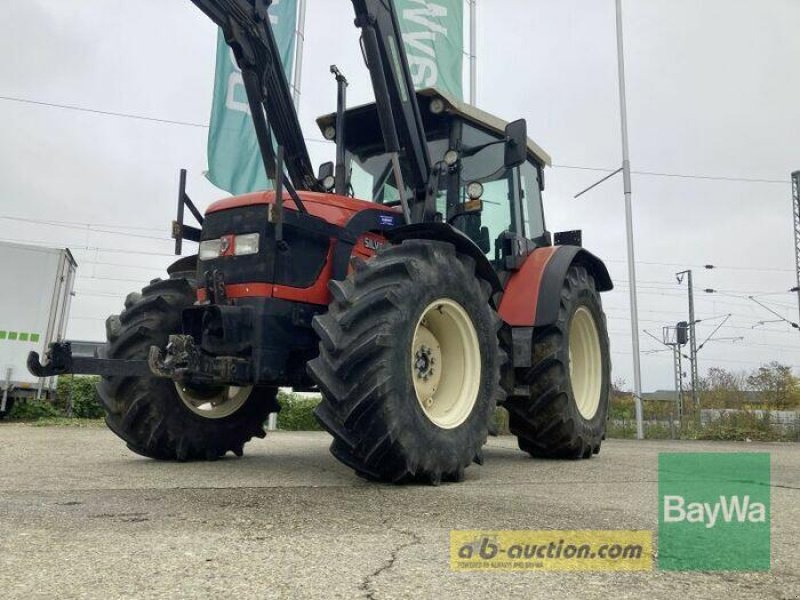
x=387, y=220
x=373, y=244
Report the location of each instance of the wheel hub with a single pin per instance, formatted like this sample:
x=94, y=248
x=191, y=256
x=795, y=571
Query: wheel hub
x=585, y=362
x=427, y=363
x=216, y=403
x=445, y=363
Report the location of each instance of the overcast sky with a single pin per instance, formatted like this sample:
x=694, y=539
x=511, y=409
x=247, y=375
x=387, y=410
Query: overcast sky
x=713, y=90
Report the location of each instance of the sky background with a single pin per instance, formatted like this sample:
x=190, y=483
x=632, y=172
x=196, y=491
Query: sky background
x=713, y=90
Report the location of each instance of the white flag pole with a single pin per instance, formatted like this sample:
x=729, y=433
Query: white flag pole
x=300, y=38
x=473, y=52
x=626, y=176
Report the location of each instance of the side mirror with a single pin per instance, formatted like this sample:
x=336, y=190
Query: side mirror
x=326, y=176
x=483, y=241
x=516, y=144
x=325, y=170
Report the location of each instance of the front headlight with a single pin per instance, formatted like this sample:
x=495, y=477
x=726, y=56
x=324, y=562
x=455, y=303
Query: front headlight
x=245, y=244
x=209, y=249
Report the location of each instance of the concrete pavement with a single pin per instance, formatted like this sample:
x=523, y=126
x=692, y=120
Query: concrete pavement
x=82, y=517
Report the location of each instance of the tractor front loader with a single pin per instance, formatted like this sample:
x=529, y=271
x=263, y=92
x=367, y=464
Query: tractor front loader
x=412, y=282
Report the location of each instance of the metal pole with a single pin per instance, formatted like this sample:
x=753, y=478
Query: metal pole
x=626, y=174
x=796, y=206
x=692, y=342
x=300, y=34
x=676, y=365
x=6, y=389
x=473, y=52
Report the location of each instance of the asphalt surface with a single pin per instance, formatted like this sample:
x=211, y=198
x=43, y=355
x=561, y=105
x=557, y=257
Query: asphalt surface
x=81, y=517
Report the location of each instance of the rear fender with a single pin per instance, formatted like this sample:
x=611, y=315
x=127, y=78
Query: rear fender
x=532, y=294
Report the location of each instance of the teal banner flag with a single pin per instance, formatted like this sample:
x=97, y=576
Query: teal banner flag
x=433, y=32
x=234, y=159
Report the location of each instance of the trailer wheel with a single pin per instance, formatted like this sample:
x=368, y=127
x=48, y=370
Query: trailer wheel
x=409, y=364
x=159, y=418
x=569, y=380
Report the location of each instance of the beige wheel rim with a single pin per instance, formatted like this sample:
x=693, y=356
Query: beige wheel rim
x=446, y=363
x=216, y=405
x=585, y=362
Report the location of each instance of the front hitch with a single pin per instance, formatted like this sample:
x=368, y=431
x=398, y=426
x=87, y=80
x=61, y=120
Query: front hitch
x=60, y=361
x=184, y=362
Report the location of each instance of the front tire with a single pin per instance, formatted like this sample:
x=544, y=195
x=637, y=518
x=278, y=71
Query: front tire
x=409, y=364
x=569, y=380
x=156, y=417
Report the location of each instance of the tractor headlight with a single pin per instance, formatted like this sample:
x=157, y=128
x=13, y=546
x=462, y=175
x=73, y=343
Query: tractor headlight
x=209, y=249
x=242, y=246
x=475, y=190
x=451, y=157
x=437, y=106
x=245, y=244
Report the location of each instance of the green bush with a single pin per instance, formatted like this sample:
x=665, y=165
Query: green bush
x=500, y=421
x=740, y=426
x=297, y=413
x=79, y=393
x=30, y=410
x=621, y=429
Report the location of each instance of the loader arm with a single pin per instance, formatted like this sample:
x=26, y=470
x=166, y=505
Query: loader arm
x=247, y=30
x=395, y=97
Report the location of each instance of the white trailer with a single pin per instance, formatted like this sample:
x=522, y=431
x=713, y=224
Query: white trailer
x=33, y=313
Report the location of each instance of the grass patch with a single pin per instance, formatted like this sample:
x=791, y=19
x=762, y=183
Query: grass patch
x=66, y=422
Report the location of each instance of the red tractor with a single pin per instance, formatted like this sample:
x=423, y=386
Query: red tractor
x=413, y=283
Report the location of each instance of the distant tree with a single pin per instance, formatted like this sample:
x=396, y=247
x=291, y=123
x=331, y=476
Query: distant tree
x=721, y=388
x=619, y=388
x=776, y=384
x=621, y=400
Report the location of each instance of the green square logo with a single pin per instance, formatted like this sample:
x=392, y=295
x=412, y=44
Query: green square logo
x=2, y=335
x=12, y=335
x=714, y=511
x=23, y=337
x=34, y=337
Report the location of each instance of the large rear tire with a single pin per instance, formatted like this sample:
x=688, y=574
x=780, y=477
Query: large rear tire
x=158, y=418
x=409, y=365
x=569, y=380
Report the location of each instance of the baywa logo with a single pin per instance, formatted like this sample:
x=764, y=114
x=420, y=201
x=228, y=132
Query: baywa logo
x=714, y=511
x=729, y=509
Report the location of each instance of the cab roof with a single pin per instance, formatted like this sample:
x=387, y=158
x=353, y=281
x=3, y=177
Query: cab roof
x=366, y=114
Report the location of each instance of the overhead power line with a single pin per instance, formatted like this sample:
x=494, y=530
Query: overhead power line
x=678, y=175
x=716, y=266
x=107, y=113
x=87, y=228
x=124, y=115
x=79, y=248
x=81, y=224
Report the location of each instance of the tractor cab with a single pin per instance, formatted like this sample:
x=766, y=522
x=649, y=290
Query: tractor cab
x=479, y=192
